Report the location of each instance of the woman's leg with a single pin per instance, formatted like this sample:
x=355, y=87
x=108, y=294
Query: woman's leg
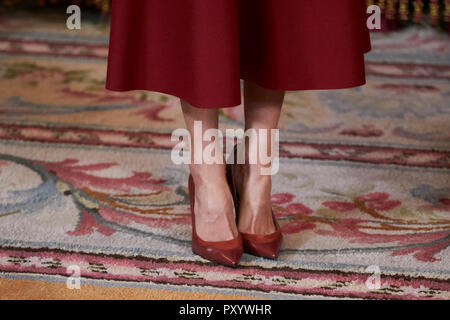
x=214, y=218
x=262, y=111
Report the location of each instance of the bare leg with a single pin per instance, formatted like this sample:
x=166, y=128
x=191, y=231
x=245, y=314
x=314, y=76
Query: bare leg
x=262, y=111
x=214, y=217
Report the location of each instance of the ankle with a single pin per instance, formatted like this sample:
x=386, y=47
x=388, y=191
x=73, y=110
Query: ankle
x=253, y=172
x=204, y=174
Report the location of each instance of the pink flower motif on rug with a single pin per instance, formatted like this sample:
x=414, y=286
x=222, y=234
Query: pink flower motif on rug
x=110, y=195
x=381, y=225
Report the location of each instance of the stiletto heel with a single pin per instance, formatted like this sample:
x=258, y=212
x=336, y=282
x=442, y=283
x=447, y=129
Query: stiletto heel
x=226, y=252
x=263, y=245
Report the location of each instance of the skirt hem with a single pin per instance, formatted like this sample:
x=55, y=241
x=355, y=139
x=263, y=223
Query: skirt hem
x=235, y=103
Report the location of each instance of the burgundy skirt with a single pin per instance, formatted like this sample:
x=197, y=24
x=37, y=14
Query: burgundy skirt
x=199, y=50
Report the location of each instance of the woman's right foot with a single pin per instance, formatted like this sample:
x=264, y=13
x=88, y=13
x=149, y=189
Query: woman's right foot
x=226, y=252
x=213, y=206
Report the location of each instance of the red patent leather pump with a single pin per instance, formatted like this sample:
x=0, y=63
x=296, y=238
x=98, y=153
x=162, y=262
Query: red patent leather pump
x=263, y=245
x=226, y=252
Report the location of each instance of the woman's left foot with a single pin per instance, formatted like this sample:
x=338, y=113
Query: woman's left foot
x=257, y=224
x=255, y=207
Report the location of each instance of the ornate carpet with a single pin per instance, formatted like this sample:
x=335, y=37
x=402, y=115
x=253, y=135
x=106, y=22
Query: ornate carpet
x=86, y=179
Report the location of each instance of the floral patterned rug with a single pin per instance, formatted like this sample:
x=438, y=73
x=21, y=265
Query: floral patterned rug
x=363, y=192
